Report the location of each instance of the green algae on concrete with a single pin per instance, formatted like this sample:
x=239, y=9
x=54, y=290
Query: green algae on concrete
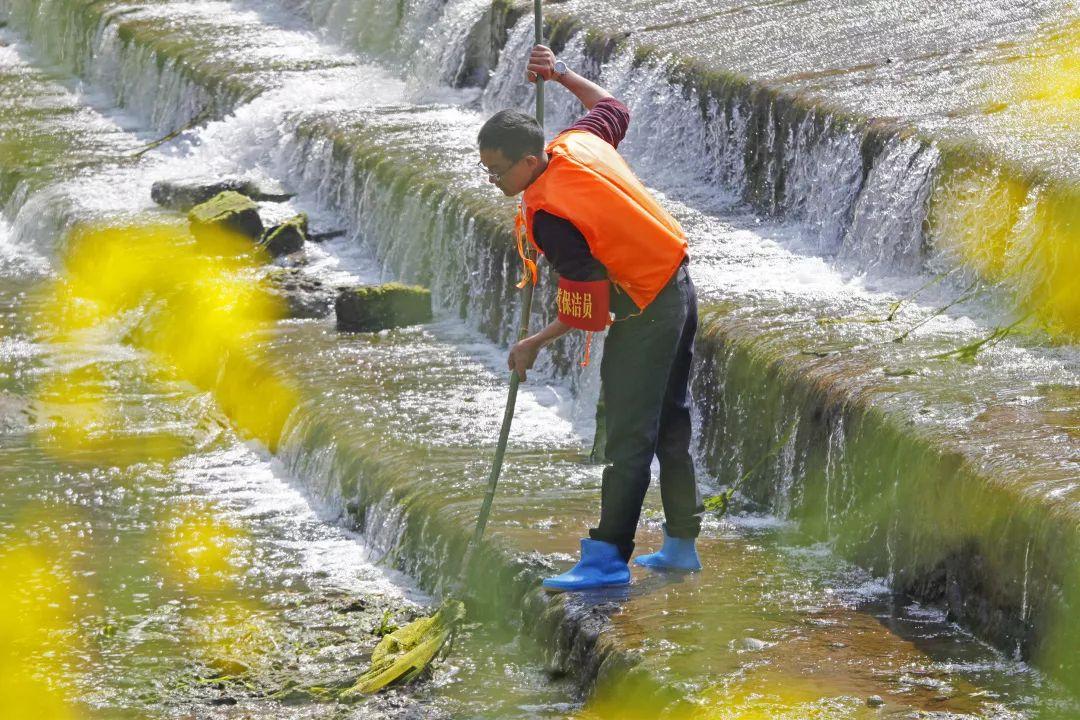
x=190, y=587
x=185, y=45
x=45, y=134
x=908, y=500
x=158, y=604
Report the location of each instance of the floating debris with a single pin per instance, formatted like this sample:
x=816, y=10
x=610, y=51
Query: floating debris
x=405, y=653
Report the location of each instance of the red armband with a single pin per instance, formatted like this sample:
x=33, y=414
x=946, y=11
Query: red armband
x=584, y=305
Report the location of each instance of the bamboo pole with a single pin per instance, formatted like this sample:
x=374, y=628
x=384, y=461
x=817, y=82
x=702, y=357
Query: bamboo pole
x=526, y=311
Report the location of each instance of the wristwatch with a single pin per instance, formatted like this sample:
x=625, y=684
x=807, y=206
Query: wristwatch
x=560, y=69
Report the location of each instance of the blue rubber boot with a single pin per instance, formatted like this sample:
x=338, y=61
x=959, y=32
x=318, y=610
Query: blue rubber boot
x=676, y=554
x=601, y=565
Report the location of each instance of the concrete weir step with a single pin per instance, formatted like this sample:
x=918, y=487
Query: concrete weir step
x=928, y=470
x=48, y=135
x=772, y=625
x=954, y=480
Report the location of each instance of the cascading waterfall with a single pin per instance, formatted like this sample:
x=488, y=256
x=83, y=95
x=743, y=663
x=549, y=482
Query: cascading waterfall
x=16, y=259
x=393, y=29
x=45, y=216
x=432, y=238
x=133, y=71
x=159, y=89
x=704, y=154
x=443, y=53
x=433, y=40
x=825, y=174
x=505, y=88
x=400, y=177
x=442, y=242
x=863, y=202
x=858, y=196
x=886, y=233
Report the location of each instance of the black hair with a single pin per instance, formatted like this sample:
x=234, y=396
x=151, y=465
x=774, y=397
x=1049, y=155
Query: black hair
x=515, y=134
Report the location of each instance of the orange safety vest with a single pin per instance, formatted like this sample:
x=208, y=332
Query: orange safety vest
x=588, y=183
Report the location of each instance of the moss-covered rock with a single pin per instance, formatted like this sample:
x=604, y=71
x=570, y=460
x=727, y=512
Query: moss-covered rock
x=288, y=237
x=377, y=307
x=229, y=211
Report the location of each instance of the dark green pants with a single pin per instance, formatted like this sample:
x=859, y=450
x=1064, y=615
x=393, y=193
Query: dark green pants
x=645, y=375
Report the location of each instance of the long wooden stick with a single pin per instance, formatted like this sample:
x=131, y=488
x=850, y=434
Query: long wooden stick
x=204, y=114
x=526, y=310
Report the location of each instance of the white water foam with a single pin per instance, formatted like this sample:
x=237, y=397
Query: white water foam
x=242, y=481
x=18, y=260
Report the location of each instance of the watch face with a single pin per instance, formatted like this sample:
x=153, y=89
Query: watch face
x=560, y=67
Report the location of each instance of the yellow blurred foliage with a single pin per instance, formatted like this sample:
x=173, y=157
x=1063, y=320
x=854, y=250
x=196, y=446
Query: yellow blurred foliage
x=1047, y=81
x=1024, y=237
x=1048, y=251
x=974, y=213
x=196, y=306
x=1012, y=227
x=35, y=622
x=201, y=550
x=780, y=698
x=72, y=401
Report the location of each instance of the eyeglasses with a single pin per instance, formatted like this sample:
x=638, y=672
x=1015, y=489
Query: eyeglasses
x=496, y=177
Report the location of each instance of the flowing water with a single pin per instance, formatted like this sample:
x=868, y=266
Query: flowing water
x=188, y=541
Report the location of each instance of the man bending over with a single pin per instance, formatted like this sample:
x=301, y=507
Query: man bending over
x=621, y=260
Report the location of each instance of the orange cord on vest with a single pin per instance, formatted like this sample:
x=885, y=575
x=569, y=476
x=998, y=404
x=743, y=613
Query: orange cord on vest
x=528, y=266
x=588, y=349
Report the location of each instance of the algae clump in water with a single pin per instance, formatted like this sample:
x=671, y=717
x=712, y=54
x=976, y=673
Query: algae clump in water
x=405, y=653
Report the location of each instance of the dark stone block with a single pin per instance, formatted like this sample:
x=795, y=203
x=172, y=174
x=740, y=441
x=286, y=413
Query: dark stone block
x=183, y=195
x=324, y=236
x=288, y=237
x=377, y=307
x=302, y=295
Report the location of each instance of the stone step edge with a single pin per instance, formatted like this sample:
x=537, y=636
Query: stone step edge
x=908, y=507
x=1048, y=306
x=430, y=539
x=689, y=72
